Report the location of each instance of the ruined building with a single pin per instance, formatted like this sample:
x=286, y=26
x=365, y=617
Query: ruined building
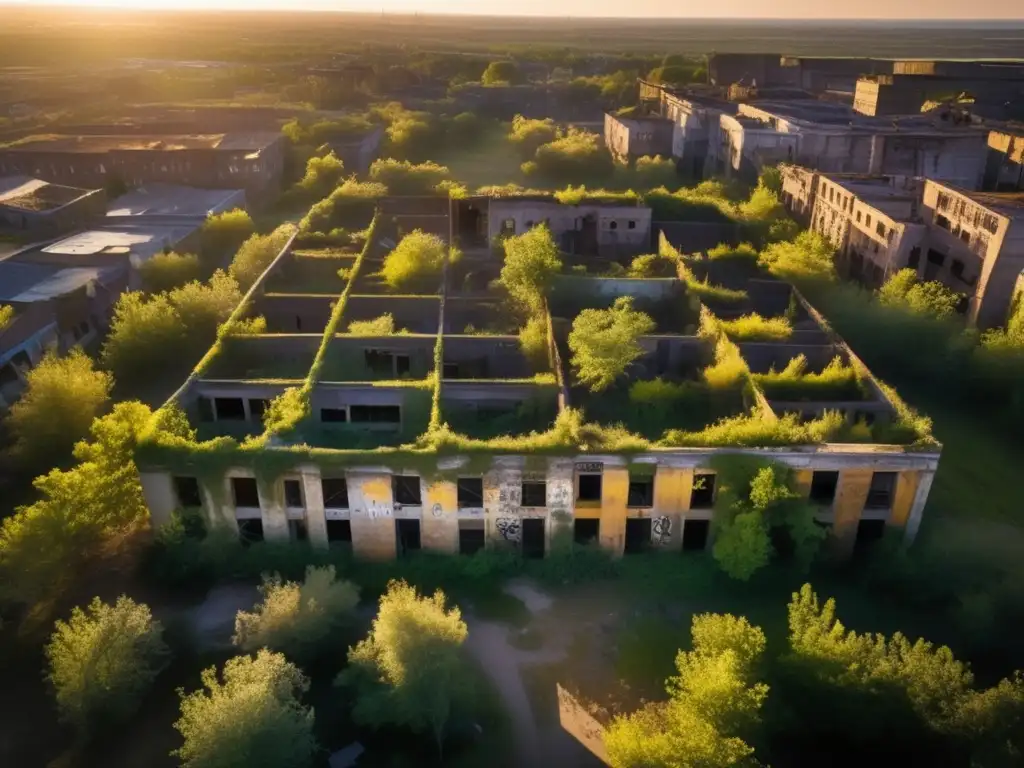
x=347, y=470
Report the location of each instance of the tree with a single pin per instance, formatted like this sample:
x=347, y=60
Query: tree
x=102, y=661
x=404, y=178
x=501, y=73
x=223, y=233
x=416, y=263
x=533, y=342
x=295, y=618
x=654, y=172
x=253, y=718
x=713, y=696
x=57, y=408
x=257, y=253
x=930, y=298
x=653, y=265
x=409, y=671
x=80, y=512
x=574, y=157
x=808, y=259
x=530, y=266
x=605, y=342
x=323, y=174
x=378, y=326
x=529, y=134
x=166, y=271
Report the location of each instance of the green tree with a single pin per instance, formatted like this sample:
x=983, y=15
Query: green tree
x=296, y=618
x=166, y=271
x=253, y=718
x=530, y=266
x=501, y=73
x=713, y=697
x=102, y=661
x=806, y=260
x=416, y=263
x=653, y=265
x=930, y=298
x=654, y=172
x=6, y=315
x=771, y=179
x=404, y=178
x=533, y=341
x=57, y=408
x=222, y=234
x=605, y=342
x=577, y=156
x=527, y=134
x=323, y=174
x=409, y=671
x=257, y=253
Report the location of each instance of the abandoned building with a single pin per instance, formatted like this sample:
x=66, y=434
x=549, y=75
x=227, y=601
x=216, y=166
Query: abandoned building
x=803, y=72
x=34, y=208
x=972, y=242
x=249, y=161
x=628, y=138
x=343, y=477
x=1004, y=169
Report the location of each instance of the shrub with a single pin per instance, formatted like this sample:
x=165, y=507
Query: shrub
x=6, y=315
x=576, y=156
x=654, y=172
x=252, y=718
x=62, y=397
x=501, y=73
x=931, y=298
x=652, y=265
x=753, y=327
x=379, y=326
x=350, y=205
x=527, y=135
x=297, y=619
x=409, y=670
x=743, y=251
x=285, y=411
x=257, y=253
x=531, y=264
x=323, y=174
x=169, y=270
x=404, y=178
x=836, y=381
x=416, y=263
x=533, y=341
x=102, y=661
x=604, y=342
x=223, y=233
x=807, y=259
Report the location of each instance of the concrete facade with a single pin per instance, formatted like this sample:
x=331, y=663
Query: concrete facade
x=1004, y=167
x=628, y=138
x=585, y=228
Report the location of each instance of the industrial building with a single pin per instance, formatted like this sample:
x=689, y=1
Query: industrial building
x=912, y=83
x=972, y=242
x=250, y=161
x=349, y=475
x=32, y=208
x=1004, y=169
x=628, y=138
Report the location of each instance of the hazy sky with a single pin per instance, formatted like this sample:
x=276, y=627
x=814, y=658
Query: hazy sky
x=908, y=9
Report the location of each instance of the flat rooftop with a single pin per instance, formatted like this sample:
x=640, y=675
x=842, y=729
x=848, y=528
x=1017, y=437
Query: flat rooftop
x=827, y=113
x=25, y=283
x=1009, y=203
x=27, y=194
x=173, y=200
x=228, y=142
x=143, y=241
x=880, y=188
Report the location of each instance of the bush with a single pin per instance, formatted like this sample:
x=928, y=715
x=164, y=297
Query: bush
x=604, y=342
x=409, y=671
x=379, y=326
x=257, y=253
x=252, y=718
x=297, y=619
x=574, y=157
x=404, y=178
x=349, y=206
x=223, y=233
x=102, y=661
x=807, y=259
x=62, y=397
x=501, y=73
x=931, y=298
x=6, y=315
x=416, y=263
x=169, y=270
x=531, y=264
x=753, y=327
x=836, y=382
x=533, y=342
x=652, y=265
x=527, y=135
x=323, y=174
x=654, y=172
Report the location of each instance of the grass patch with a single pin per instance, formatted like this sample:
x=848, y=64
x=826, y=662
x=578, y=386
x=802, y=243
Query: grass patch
x=837, y=381
x=753, y=327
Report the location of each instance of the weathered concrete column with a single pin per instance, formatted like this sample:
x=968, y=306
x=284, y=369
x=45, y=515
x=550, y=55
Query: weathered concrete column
x=275, y=520
x=924, y=487
x=672, y=487
x=440, y=522
x=218, y=503
x=502, y=506
x=903, y=498
x=372, y=515
x=316, y=518
x=614, y=495
x=158, y=491
x=558, y=495
x=851, y=495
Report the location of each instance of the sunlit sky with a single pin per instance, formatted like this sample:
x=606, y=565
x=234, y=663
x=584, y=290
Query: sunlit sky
x=726, y=9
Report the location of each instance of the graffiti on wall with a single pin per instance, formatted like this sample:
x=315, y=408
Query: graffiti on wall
x=661, y=531
x=509, y=528
x=376, y=509
x=510, y=498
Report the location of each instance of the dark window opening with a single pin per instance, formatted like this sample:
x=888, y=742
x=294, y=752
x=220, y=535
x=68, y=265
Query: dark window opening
x=586, y=530
x=641, y=492
x=250, y=531
x=257, y=407
x=244, y=491
x=880, y=493
x=229, y=408
x=823, y=487
x=187, y=491
x=450, y=371
x=638, y=535
x=376, y=414
x=880, y=229
x=915, y=257
x=535, y=494
x=22, y=360
x=402, y=365
x=703, y=494
x=406, y=489
x=533, y=538
x=8, y=375
x=590, y=488
x=613, y=225
x=472, y=537
x=339, y=531
x=293, y=493
x=965, y=235
x=408, y=534
x=298, y=530
x=333, y=415
x=380, y=363
x=942, y=221
x=204, y=406
x=957, y=268
x=470, y=492
x=869, y=532
x=335, y=490
x=632, y=225
x=935, y=257
x=695, y=535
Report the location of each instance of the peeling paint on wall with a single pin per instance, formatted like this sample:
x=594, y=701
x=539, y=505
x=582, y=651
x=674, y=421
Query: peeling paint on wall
x=509, y=528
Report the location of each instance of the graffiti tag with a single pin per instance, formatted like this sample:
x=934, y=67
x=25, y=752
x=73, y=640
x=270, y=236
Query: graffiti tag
x=509, y=528
x=661, y=531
